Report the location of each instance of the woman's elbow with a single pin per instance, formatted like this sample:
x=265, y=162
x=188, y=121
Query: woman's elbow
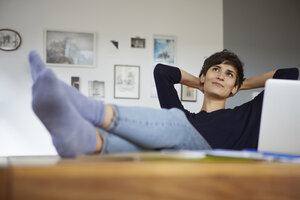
x=158, y=70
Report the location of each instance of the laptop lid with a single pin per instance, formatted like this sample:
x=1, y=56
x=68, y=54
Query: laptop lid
x=280, y=121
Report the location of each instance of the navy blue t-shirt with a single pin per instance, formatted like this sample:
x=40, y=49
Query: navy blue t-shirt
x=236, y=128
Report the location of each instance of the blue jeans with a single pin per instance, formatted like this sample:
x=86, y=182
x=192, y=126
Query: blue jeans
x=141, y=129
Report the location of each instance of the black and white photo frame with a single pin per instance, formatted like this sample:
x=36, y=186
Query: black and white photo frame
x=10, y=40
x=70, y=48
x=75, y=82
x=138, y=42
x=96, y=89
x=126, y=82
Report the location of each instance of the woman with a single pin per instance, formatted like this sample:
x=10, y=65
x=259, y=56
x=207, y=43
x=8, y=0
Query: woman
x=221, y=77
x=79, y=125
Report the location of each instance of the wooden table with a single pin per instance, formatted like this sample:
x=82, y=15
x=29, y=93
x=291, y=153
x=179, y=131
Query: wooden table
x=104, y=177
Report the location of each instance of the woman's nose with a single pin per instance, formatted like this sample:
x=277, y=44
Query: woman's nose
x=221, y=76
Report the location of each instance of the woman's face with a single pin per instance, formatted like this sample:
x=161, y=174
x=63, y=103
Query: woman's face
x=219, y=81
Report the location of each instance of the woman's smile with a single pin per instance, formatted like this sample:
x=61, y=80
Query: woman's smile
x=218, y=84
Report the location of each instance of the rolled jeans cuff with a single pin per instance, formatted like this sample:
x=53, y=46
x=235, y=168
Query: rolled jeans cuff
x=115, y=119
x=104, y=137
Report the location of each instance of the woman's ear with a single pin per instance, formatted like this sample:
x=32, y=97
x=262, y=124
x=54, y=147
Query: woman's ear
x=234, y=90
x=202, y=78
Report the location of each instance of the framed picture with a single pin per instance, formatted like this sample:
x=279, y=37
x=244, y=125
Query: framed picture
x=96, y=89
x=69, y=49
x=75, y=82
x=10, y=40
x=164, y=49
x=127, y=82
x=138, y=42
x=188, y=93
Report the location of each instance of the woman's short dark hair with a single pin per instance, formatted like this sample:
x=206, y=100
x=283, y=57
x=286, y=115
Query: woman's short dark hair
x=226, y=57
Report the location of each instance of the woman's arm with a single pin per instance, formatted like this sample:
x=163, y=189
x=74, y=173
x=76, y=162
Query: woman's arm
x=165, y=78
x=257, y=81
x=190, y=80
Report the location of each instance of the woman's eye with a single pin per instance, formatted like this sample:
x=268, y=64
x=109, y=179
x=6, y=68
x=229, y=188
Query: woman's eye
x=230, y=74
x=216, y=69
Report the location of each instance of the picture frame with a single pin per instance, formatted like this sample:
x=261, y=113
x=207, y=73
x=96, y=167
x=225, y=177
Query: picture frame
x=126, y=82
x=75, y=82
x=96, y=89
x=10, y=40
x=164, y=49
x=188, y=93
x=138, y=42
x=70, y=48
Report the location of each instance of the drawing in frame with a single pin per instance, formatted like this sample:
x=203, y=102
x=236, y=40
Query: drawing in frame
x=164, y=49
x=188, y=93
x=10, y=40
x=127, y=82
x=96, y=89
x=69, y=48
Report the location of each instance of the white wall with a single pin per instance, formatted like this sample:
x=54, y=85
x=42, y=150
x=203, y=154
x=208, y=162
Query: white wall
x=197, y=25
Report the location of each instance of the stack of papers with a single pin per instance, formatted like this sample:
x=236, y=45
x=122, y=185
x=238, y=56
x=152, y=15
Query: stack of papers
x=202, y=156
x=218, y=154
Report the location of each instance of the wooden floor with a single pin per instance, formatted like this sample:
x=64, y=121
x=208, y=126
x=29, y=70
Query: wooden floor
x=104, y=177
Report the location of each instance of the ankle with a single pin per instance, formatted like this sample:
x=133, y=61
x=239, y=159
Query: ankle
x=99, y=143
x=109, y=114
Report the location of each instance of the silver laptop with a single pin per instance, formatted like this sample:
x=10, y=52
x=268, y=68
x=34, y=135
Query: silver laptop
x=280, y=121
